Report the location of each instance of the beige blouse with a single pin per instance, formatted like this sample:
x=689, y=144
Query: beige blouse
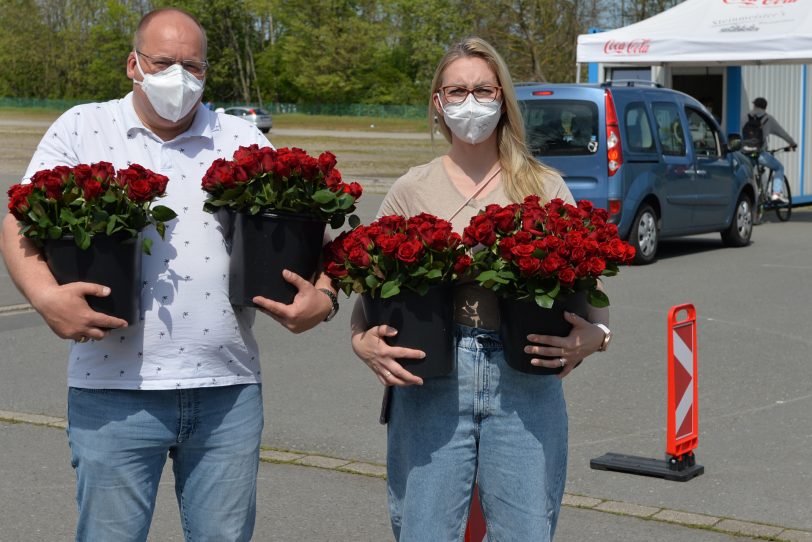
x=429, y=189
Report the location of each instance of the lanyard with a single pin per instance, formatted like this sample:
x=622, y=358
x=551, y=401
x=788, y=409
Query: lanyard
x=475, y=194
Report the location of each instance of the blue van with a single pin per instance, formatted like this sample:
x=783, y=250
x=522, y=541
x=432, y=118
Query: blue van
x=653, y=157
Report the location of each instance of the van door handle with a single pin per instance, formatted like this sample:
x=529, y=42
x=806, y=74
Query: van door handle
x=696, y=171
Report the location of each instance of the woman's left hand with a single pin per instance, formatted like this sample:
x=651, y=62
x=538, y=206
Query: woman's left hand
x=567, y=352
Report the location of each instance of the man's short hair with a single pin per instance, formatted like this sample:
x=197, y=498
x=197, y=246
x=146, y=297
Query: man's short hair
x=145, y=20
x=761, y=103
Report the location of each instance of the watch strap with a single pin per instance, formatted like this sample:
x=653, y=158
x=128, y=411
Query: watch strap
x=334, y=300
x=607, y=337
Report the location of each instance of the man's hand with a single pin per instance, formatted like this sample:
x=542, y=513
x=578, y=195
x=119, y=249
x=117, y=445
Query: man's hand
x=309, y=307
x=65, y=310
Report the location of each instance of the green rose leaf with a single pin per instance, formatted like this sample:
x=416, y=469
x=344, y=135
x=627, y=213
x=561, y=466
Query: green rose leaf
x=162, y=213
x=390, y=289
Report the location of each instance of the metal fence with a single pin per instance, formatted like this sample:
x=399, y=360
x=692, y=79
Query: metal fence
x=343, y=110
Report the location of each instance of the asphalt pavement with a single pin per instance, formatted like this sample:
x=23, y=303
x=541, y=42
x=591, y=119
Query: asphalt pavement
x=755, y=399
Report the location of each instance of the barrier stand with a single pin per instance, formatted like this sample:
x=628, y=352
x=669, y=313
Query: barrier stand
x=475, y=531
x=682, y=429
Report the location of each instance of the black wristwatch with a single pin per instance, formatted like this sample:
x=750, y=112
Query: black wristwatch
x=334, y=301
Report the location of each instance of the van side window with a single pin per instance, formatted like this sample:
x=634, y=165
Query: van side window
x=561, y=127
x=704, y=139
x=669, y=128
x=639, y=137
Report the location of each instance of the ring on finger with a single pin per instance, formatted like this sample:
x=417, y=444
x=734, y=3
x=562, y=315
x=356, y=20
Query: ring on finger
x=562, y=362
x=387, y=374
x=82, y=339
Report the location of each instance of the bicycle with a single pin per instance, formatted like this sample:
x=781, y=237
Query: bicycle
x=764, y=184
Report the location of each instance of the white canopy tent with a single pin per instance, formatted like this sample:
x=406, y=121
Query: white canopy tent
x=709, y=32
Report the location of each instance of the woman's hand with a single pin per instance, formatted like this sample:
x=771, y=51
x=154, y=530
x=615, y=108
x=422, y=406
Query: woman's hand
x=370, y=345
x=584, y=339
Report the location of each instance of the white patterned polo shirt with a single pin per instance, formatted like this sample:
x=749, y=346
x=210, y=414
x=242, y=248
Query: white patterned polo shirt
x=189, y=335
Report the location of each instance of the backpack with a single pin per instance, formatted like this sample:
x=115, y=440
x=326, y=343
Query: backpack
x=753, y=133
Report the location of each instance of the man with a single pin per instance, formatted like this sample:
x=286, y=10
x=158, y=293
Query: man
x=185, y=380
x=757, y=127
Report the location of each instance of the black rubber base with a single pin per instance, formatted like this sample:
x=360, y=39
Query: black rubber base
x=644, y=466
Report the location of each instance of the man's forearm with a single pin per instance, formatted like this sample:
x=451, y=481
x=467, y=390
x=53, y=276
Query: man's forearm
x=24, y=261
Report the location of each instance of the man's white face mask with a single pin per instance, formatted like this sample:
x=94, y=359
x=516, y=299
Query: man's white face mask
x=172, y=92
x=470, y=120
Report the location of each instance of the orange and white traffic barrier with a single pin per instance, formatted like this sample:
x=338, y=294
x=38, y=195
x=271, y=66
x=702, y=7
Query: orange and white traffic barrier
x=682, y=428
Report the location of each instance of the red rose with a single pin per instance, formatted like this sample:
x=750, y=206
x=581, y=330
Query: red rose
x=483, y=232
x=528, y=266
x=504, y=220
x=336, y=270
x=250, y=162
x=359, y=257
x=139, y=190
x=523, y=251
x=92, y=189
x=506, y=248
x=585, y=205
x=81, y=174
x=409, y=252
x=158, y=183
x=389, y=243
x=462, y=264
x=126, y=176
x=220, y=173
x=18, y=199
x=567, y=276
x=552, y=263
x=103, y=172
x=327, y=161
x=596, y=265
x=354, y=189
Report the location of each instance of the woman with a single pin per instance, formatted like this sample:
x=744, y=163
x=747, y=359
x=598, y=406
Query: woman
x=484, y=422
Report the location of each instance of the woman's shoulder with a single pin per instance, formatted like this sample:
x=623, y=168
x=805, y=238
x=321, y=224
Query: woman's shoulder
x=422, y=173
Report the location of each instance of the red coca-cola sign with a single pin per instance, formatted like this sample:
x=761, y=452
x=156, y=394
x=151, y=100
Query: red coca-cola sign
x=627, y=48
x=759, y=2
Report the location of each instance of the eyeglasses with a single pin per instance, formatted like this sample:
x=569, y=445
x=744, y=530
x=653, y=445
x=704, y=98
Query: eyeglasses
x=483, y=94
x=160, y=63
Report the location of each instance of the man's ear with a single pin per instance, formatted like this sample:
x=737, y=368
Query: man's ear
x=131, y=68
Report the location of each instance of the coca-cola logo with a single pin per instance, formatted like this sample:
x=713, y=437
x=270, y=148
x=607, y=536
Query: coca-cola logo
x=633, y=47
x=771, y=3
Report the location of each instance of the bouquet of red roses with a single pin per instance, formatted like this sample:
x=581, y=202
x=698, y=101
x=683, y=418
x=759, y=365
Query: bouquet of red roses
x=88, y=200
x=259, y=180
x=394, y=253
x=530, y=251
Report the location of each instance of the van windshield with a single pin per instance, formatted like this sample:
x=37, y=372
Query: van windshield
x=561, y=127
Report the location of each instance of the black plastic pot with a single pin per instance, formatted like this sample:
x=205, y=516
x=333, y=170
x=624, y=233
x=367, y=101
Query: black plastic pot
x=113, y=261
x=423, y=322
x=520, y=318
x=265, y=244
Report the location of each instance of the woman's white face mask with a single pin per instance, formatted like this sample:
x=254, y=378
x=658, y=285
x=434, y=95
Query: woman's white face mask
x=172, y=92
x=470, y=120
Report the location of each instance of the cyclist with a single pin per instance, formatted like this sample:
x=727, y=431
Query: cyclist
x=757, y=129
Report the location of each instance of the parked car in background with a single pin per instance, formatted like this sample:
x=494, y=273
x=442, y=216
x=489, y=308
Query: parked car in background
x=255, y=115
x=653, y=157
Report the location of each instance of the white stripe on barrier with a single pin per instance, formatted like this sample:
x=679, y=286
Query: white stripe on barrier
x=684, y=354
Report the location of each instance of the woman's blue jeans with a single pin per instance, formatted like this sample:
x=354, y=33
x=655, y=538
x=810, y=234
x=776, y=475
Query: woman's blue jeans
x=119, y=443
x=487, y=423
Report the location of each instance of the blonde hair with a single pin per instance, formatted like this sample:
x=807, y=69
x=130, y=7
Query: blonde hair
x=522, y=174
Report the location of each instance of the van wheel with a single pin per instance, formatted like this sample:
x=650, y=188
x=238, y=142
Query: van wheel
x=741, y=227
x=645, y=235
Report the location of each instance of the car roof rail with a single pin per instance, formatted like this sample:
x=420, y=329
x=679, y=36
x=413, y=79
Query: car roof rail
x=630, y=83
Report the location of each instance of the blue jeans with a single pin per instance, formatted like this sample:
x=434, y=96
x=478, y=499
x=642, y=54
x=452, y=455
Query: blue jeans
x=769, y=161
x=486, y=422
x=120, y=440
